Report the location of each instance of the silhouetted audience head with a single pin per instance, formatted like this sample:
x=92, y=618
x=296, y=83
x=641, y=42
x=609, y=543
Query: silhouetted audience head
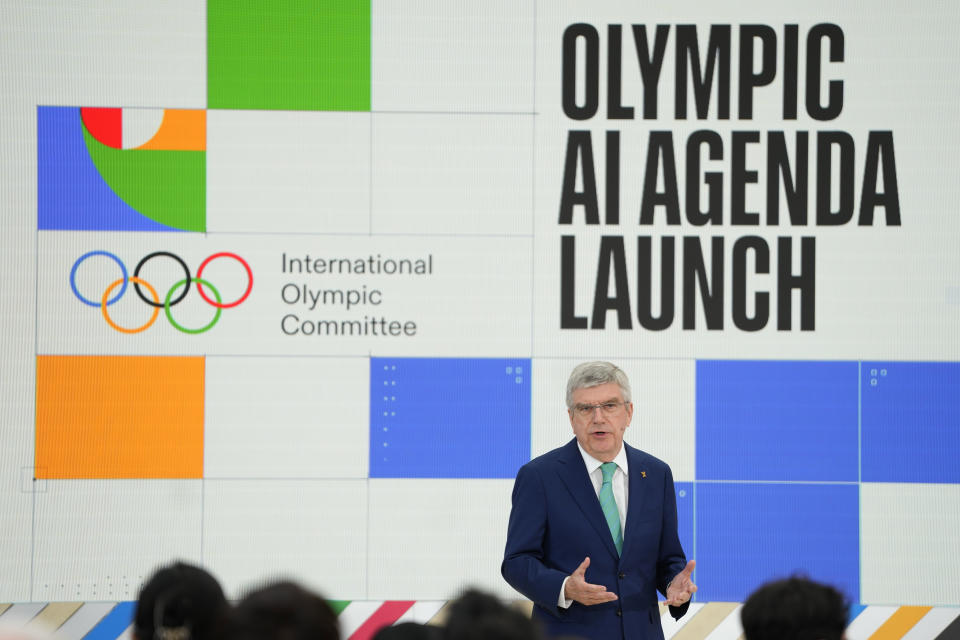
x=180, y=602
x=409, y=631
x=480, y=616
x=794, y=609
x=284, y=611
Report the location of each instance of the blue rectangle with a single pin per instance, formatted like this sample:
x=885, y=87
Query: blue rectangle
x=114, y=623
x=685, y=510
x=911, y=421
x=748, y=534
x=449, y=417
x=776, y=421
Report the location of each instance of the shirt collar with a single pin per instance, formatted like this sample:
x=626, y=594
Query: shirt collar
x=593, y=464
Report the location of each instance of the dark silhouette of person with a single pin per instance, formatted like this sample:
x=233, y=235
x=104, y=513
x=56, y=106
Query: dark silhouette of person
x=180, y=602
x=796, y=608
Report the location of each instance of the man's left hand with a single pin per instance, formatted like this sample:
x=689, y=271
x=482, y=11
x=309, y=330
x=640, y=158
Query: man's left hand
x=681, y=588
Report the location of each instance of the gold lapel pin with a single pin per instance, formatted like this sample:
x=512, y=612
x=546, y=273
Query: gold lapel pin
x=643, y=474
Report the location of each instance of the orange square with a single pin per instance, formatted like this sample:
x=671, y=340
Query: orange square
x=119, y=417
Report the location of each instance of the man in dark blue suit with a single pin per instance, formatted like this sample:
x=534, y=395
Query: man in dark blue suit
x=597, y=506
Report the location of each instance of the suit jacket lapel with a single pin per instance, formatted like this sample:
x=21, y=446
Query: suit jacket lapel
x=636, y=496
x=573, y=474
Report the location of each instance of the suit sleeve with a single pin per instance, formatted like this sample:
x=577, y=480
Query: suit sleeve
x=672, y=560
x=524, y=566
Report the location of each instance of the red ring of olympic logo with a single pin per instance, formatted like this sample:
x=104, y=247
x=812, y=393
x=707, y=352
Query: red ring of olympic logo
x=154, y=300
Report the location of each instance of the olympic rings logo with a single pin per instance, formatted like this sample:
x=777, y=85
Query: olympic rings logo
x=172, y=299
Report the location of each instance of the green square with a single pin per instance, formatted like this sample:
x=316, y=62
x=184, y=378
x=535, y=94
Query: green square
x=311, y=55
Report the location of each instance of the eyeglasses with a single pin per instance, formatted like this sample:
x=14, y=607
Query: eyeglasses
x=607, y=408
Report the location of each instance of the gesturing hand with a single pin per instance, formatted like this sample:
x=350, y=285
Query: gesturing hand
x=681, y=587
x=577, y=588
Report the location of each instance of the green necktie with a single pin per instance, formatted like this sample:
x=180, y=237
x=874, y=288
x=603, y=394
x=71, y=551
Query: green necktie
x=609, y=505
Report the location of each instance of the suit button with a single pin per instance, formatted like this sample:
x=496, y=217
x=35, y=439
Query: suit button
x=619, y=612
x=622, y=575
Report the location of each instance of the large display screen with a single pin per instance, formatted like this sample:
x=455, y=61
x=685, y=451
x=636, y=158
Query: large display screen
x=293, y=288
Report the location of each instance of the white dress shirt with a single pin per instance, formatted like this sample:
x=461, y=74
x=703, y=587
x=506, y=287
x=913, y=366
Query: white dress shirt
x=620, y=489
x=620, y=492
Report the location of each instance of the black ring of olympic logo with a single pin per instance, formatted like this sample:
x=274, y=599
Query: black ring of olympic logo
x=157, y=254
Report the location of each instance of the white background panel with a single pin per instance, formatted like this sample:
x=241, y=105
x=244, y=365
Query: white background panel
x=313, y=530
x=470, y=277
x=431, y=55
x=98, y=539
x=283, y=172
x=462, y=158
x=17, y=451
x=897, y=48
x=433, y=537
x=286, y=417
x=16, y=531
x=64, y=53
x=67, y=326
x=908, y=543
x=106, y=54
x=452, y=173
x=866, y=277
x=896, y=281
x=664, y=397
x=663, y=408
x=550, y=426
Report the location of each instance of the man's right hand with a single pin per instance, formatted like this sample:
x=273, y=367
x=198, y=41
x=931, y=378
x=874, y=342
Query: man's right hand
x=578, y=589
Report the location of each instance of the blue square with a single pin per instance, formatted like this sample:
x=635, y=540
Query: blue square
x=449, y=417
x=776, y=421
x=911, y=421
x=748, y=534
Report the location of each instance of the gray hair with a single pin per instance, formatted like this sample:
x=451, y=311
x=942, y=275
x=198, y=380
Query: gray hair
x=593, y=374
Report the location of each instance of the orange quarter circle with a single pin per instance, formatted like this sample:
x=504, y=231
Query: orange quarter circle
x=180, y=130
